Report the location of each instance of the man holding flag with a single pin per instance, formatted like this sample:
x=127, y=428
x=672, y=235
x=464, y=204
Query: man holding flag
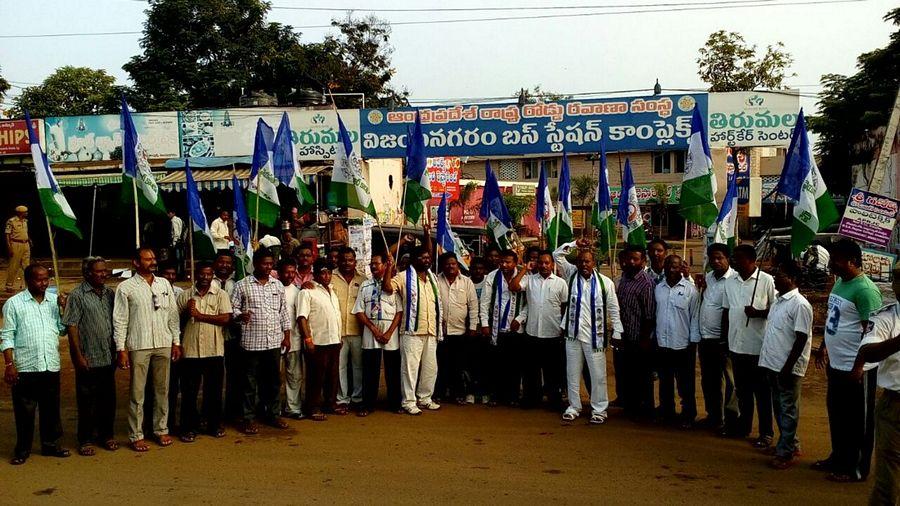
x=561, y=225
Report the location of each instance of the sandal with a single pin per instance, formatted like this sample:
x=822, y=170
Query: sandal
x=569, y=416
x=781, y=463
x=762, y=442
x=362, y=413
x=598, y=418
x=188, y=437
x=250, y=428
x=318, y=417
x=278, y=423
x=111, y=445
x=163, y=440
x=86, y=450
x=340, y=410
x=18, y=461
x=55, y=451
x=139, y=446
x=841, y=478
x=217, y=433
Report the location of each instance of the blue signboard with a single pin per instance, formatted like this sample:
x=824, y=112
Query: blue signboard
x=650, y=123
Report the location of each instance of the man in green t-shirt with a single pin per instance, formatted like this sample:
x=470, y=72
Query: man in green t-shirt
x=850, y=403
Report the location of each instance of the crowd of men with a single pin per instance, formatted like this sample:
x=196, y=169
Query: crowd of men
x=514, y=331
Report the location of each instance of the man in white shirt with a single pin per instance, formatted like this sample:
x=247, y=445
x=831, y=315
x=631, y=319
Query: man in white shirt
x=460, y=307
x=319, y=320
x=748, y=297
x=545, y=296
x=881, y=345
x=221, y=232
x=785, y=355
x=293, y=359
x=502, y=316
x=481, y=348
x=591, y=319
x=379, y=314
x=176, y=239
x=715, y=366
x=677, y=332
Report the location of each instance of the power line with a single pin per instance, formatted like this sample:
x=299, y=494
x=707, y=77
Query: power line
x=766, y=3
x=516, y=8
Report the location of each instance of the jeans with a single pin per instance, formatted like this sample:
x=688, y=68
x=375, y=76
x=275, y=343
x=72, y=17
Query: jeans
x=786, y=403
x=351, y=382
x=851, y=418
x=751, y=384
x=95, y=392
x=211, y=372
x=677, y=367
x=887, y=450
x=36, y=390
x=262, y=384
x=716, y=373
x=577, y=352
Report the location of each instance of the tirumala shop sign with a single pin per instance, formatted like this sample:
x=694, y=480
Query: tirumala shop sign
x=637, y=123
x=751, y=118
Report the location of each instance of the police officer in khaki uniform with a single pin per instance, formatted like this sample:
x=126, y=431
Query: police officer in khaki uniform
x=18, y=245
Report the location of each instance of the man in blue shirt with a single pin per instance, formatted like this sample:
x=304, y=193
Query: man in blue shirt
x=30, y=344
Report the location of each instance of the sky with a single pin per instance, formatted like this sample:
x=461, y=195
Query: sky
x=490, y=59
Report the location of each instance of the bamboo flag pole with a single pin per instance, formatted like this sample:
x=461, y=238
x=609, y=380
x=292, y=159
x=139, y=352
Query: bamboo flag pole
x=256, y=213
x=684, y=244
x=137, y=223
x=93, y=214
x=191, y=246
x=56, y=274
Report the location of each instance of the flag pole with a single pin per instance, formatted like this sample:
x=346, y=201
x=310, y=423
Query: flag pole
x=611, y=248
x=191, y=246
x=256, y=213
x=56, y=274
x=137, y=223
x=684, y=244
x=93, y=213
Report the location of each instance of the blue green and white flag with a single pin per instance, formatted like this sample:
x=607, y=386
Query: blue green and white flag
x=723, y=228
x=54, y=203
x=629, y=211
x=801, y=181
x=243, y=248
x=136, y=173
x=262, y=199
x=287, y=167
x=417, y=181
x=202, y=241
x=698, y=189
x=560, y=230
x=348, y=188
x=602, y=216
x=493, y=209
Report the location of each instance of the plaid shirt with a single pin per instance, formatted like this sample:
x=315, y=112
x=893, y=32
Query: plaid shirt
x=92, y=315
x=269, y=318
x=32, y=331
x=637, y=304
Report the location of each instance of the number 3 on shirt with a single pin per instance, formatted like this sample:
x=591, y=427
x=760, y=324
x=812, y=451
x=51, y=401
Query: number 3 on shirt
x=834, y=318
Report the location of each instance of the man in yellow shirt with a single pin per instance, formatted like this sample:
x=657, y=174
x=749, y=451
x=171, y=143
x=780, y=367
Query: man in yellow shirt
x=346, y=285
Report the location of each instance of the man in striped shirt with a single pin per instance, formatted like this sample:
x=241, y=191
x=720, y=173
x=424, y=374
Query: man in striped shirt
x=88, y=319
x=637, y=308
x=147, y=335
x=30, y=344
x=258, y=302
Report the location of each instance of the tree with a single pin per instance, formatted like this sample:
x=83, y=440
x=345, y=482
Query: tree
x=4, y=87
x=70, y=91
x=854, y=110
x=518, y=205
x=583, y=189
x=210, y=53
x=537, y=94
x=728, y=63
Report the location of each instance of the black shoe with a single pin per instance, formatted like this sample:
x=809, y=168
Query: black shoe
x=54, y=451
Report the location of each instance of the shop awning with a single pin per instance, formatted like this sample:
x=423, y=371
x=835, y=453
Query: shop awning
x=68, y=180
x=206, y=179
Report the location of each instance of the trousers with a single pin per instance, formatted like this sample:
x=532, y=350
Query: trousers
x=262, y=384
x=19, y=258
x=372, y=377
x=715, y=374
x=786, y=404
x=36, y=391
x=887, y=450
x=751, y=384
x=418, y=366
x=210, y=371
x=351, y=380
x=676, y=367
x=293, y=379
x=322, y=380
x=851, y=420
x=95, y=394
x=143, y=362
x=577, y=352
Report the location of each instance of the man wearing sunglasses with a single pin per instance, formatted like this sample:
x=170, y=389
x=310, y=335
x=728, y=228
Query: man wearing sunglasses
x=146, y=331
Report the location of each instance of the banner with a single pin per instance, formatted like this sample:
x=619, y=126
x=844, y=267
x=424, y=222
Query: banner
x=14, y=136
x=95, y=138
x=878, y=265
x=752, y=118
x=743, y=177
x=869, y=217
x=651, y=123
x=444, y=174
x=230, y=132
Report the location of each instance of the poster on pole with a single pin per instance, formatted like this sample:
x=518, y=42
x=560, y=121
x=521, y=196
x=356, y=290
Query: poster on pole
x=878, y=265
x=444, y=174
x=869, y=218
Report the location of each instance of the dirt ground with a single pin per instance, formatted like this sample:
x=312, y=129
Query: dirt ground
x=468, y=454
